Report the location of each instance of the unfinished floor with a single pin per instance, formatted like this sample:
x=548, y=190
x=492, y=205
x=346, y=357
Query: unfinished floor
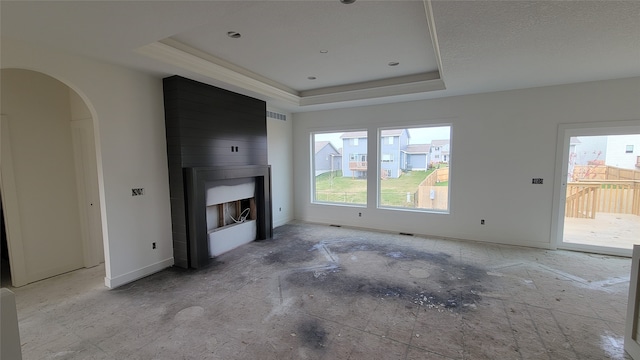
x=320, y=292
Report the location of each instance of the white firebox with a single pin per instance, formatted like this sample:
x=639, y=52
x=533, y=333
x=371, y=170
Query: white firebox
x=231, y=214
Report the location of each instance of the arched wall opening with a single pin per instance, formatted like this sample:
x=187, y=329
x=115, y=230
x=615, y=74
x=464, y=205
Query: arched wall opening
x=50, y=182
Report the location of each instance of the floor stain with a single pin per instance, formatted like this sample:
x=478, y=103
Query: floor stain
x=312, y=334
x=295, y=251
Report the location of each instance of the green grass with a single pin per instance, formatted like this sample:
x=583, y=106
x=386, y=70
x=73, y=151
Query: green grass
x=335, y=188
x=393, y=192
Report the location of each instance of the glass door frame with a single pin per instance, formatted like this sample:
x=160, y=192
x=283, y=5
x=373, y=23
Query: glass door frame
x=565, y=133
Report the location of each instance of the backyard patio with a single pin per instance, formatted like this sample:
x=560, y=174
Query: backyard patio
x=606, y=229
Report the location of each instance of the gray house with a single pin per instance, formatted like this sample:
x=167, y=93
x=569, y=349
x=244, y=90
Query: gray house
x=396, y=154
x=416, y=157
x=439, y=151
x=327, y=157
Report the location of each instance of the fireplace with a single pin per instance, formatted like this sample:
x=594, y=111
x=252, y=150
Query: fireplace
x=227, y=207
x=231, y=214
x=215, y=138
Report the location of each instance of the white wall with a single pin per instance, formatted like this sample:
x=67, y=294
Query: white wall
x=127, y=108
x=38, y=110
x=280, y=157
x=500, y=141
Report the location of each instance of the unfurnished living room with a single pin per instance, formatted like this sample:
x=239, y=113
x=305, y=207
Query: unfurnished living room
x=321, y=179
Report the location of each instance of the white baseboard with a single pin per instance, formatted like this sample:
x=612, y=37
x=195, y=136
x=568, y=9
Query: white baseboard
x=120, y=280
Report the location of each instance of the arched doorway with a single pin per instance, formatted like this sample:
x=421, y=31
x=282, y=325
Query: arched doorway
x=49, y=178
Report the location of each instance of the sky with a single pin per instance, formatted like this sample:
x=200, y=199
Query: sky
x=417, y=135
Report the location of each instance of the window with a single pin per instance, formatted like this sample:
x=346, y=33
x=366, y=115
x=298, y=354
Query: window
x=412, y=175
x=629, y=149
x=339, y=168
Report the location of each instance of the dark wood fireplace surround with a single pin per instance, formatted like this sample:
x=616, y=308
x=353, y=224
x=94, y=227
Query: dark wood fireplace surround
x=212, y=135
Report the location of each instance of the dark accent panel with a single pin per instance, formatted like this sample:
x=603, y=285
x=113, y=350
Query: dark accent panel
x=206, y=127
x=199, y=179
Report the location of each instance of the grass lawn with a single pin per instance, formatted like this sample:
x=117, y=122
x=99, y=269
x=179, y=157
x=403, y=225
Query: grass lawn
x=335, y=188
x=393, y=192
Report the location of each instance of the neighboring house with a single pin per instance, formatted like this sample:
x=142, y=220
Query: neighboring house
x=327, y=157
x=392, y=142
x=354, y=154
x=573, y=155
x=396, y=154
x=416, y=157
x=439, y=151
x=623, y=151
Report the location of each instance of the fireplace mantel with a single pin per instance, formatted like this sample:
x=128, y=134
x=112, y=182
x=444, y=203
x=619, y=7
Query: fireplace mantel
x=199, y=179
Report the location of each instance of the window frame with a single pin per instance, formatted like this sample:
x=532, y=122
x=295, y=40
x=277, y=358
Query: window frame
x=345, y=157
x=428, y=159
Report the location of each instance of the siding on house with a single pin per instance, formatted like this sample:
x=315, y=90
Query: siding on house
x=440, y=151
x=417, y=157
x=354, y=145
x=623, y=151
x=392, y=143
x=396, y=154
x=326, y=155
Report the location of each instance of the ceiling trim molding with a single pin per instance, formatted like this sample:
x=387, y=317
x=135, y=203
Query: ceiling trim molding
x=184, y=60
x=399, y=80
x=173, y=52
x=376, y=92
x=431, y=23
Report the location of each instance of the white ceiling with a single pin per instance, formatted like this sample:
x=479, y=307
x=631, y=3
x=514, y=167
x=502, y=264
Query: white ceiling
x=444, y=48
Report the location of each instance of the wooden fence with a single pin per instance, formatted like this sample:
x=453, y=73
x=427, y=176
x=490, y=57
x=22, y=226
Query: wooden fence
x=603, y=172
x=586, y=198
x=430, y=196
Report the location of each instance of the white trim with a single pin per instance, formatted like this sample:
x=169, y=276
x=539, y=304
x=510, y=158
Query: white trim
x=173, y=52
x=11, y=206
x=373, y=92
x=113, y=283
x=565, y=132
x=185, y=60
x=631, y=345
x=431, y=23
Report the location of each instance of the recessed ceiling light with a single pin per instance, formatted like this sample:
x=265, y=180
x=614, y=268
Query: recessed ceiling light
x=324, y=51
x=393, y=63
x=233, y=34
x=311, y=77
x=347, y=1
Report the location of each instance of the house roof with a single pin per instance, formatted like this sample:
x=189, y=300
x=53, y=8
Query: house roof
x=319, y=145
x=440, y=142
x=418, y=149
x=574, y=140
x=353, y=135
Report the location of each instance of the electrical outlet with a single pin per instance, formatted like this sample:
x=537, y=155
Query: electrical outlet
x=536, y=181
x=137, y=192
x=153, y=245
x=482, y=222
x=360, y=214
x=279, y=209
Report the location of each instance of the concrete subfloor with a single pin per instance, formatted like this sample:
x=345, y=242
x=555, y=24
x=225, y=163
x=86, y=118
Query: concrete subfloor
x=320, y=292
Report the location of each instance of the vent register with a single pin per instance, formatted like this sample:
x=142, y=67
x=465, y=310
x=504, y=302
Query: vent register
x=277, y=116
